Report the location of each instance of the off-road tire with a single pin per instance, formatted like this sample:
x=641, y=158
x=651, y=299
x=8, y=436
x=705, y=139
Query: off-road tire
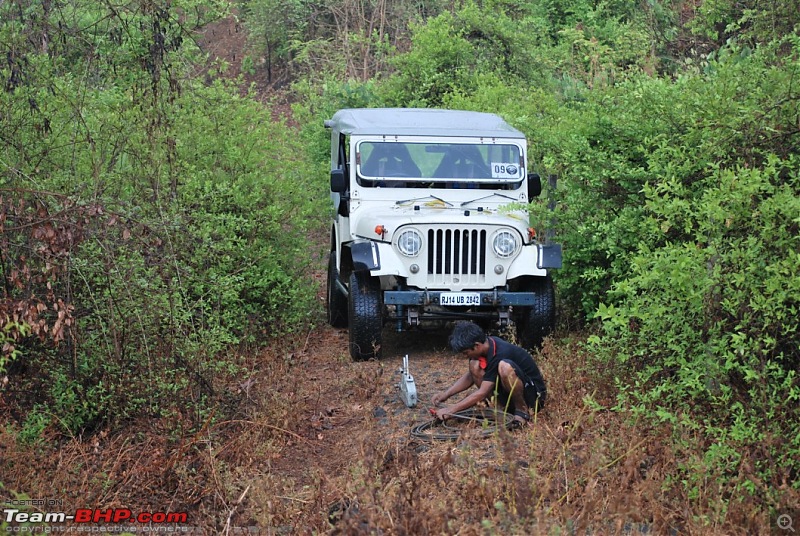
x=536, y=322
x=365, y=315
x=336, y=300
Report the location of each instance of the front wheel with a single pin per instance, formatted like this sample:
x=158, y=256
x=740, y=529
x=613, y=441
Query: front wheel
x=539, y=320
x=337, y=300
x=365, y=315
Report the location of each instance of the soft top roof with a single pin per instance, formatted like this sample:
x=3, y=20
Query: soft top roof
x=420, y=122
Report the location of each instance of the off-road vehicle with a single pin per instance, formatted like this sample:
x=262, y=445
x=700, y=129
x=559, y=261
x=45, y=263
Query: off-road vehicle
x=430, y=226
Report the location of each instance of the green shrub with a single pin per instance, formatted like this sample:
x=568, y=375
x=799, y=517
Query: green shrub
x=710, y=327
x=152, y=225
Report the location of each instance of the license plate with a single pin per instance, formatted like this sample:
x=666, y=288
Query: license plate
x=459, y=298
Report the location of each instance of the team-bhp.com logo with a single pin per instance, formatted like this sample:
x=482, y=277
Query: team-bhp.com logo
x=96, y=515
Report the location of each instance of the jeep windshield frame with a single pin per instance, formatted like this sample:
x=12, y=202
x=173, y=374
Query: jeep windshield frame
x=430, y=163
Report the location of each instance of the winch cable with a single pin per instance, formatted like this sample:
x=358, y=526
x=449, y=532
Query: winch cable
x=485, y=422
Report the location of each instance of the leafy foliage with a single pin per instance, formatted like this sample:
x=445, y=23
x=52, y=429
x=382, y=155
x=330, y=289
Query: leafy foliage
x=150, y=223
x=273, y=26
x=346, y=39
x=748, y=21
x=706, y=315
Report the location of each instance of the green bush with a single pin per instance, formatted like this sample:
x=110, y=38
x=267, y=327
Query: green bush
x=152, y=224
x=701, y=326
x=710, y=327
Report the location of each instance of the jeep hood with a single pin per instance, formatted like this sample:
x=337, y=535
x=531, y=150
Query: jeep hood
x=366, y=219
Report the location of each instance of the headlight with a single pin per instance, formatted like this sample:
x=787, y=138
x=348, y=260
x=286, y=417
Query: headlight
x=409, y=243
x=505, y=244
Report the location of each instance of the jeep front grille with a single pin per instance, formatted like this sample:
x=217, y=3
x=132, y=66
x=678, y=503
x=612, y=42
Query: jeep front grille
x=456, y=256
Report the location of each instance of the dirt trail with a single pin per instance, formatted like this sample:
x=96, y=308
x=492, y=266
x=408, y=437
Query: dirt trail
x=351, y=445
x=348, y=407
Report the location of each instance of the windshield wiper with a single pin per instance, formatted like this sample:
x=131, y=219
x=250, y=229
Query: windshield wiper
x=486, y=197
x=421, y=198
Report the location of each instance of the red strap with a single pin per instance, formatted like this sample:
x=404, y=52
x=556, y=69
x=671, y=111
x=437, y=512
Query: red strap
x=482, y=360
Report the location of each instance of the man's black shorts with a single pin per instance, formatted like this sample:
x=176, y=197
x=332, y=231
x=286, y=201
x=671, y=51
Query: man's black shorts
x=533, y=397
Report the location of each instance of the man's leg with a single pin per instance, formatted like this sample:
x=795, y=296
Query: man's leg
x=476, y=372
x=513, y=385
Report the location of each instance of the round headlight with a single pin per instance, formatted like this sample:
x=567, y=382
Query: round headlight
x=505, y=244
x=409, y=243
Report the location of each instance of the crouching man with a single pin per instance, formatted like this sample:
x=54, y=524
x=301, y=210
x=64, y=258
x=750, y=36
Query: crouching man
x=496, y=367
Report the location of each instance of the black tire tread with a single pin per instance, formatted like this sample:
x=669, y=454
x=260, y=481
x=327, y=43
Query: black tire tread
x=365, y=316
x=539, y=320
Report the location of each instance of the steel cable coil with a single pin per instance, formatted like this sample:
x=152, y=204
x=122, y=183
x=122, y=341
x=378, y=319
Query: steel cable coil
x=483, y=421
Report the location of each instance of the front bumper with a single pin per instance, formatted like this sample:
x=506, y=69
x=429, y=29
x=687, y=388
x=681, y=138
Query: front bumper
x=494, y=298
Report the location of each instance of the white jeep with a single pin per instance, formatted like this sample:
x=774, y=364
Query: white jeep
x=420, y=232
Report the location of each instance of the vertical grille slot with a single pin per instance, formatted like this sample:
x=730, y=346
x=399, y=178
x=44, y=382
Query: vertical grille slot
x=456, y=252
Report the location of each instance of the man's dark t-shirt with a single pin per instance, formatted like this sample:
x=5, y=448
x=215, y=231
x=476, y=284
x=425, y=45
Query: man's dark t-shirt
x=500, y=350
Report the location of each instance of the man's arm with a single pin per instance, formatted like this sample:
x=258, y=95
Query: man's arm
x=483, y=392
x=461, y=384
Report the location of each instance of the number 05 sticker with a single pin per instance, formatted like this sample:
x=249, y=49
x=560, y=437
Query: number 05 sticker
x=502, y=170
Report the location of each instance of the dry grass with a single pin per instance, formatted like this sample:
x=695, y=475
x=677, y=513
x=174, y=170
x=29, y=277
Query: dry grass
x=319, y=444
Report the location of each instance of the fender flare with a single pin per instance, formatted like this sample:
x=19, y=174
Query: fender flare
x=365, y=255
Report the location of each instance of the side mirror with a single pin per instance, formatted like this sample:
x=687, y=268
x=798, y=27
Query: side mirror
x=338, y=181
x=534, y=185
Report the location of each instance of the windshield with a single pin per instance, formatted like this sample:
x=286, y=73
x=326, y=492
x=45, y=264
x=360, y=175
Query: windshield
x=445, y=165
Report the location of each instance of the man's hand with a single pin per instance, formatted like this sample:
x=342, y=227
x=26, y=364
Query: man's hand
x=438, y=397
x=443, y=413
